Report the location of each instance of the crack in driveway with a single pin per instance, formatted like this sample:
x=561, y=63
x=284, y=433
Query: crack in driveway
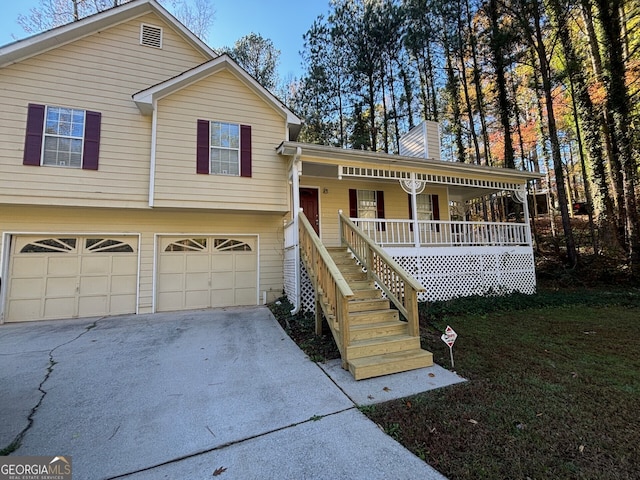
x=17, y=441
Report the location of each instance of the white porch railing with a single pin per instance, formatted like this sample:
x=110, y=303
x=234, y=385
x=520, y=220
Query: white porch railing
x=391, y=232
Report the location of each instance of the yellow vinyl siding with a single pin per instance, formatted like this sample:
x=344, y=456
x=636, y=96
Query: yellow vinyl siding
x=396, y=203
x=222, y=97
x=99, y=72
x=148, y=223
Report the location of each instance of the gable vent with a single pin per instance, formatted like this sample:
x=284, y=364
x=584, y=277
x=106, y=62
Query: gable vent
x=150, y=36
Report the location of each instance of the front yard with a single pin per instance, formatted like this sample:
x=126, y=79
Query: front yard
x=553, y=390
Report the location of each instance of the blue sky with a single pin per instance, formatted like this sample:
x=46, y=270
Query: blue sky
x=282, y=21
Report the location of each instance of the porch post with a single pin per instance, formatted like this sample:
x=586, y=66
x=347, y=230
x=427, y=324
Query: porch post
x=526, y=216
x=296, y=171
x=414, y=209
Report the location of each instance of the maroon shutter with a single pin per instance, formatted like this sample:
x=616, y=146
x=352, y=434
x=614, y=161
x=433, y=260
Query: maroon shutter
x=410, y=213
x=91, y=149
x=436, y=207
x=202, y=147
x=353, y=203
x=245, y=150
x=380, y=207
x=33, y=138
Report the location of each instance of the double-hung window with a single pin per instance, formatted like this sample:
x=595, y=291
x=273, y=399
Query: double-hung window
x=367, y=204
x=424, y=207
x=225, y=148
x=62, y=137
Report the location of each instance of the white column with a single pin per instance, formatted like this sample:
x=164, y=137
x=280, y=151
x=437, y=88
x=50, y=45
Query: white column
x=414, y=209
x=296, y=171
x=526, y=216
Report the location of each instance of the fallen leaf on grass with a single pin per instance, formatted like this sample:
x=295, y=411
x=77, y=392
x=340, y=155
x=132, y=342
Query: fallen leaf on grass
x=432, y=375
x=539, y=414
x=471, y=420
x=581, y=449
x=408, y=404
x=432, y=430
x=219, y=471
x=574, y=374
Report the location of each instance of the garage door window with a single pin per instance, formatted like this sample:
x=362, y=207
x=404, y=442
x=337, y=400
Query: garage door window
x=228, y=245
x=187, y=245
x=50, y=245
x=107, y=245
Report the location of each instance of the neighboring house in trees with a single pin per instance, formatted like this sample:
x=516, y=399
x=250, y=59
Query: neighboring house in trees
x=140, y=172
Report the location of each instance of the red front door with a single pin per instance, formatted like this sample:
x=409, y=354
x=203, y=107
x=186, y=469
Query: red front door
x=309, y=205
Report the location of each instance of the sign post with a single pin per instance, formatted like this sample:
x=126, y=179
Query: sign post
x=449, y=337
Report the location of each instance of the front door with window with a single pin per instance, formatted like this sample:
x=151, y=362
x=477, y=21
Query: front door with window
x=309, y=205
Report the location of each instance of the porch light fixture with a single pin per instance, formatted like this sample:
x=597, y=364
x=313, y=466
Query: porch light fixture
x=325, y=190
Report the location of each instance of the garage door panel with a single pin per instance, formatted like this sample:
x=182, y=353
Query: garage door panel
x=92, y=305
x=25, y=309
x=221, y=298
x=197, y=299
x=168, y=301
x=169, y=282
x=34, y=266
x=67, y=265
x=197, y=263
x=246, y=279
x=245, y=296
x=95, y=264
x=173, y=263
x=125, y=265
x=61, y=286
x=59, y=307
x=222, y=262
x=123, y=284
x=26, y=288
x=245, y=263
x=119, y=304
x=94, y=285
x=197, y=281
x=222, y=281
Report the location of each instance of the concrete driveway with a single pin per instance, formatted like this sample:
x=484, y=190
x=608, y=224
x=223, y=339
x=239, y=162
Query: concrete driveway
x=181, y=395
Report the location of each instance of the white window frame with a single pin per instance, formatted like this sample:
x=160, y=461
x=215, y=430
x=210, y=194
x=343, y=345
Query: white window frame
x=367, y=196
x=221, y=149
x=70, y=137
x=424, y=206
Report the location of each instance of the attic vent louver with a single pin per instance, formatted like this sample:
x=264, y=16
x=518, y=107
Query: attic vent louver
x=150, y=36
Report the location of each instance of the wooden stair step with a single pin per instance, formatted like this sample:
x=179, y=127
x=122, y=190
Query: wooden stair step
x=361, y=284
x=377, y=330
x=368, y=304
x=366, y=293
x=377, y=365
x=379, y=346
x=373, y=316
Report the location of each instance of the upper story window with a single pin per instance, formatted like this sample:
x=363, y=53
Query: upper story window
x=62, y=137
x=225, y=148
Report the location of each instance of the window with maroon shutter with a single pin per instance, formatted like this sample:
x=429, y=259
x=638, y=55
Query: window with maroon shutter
x=62, y=137
x=223, y=148
x=367, y=204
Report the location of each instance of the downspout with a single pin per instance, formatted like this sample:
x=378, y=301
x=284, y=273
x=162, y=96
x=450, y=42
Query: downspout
x=152, y=167
x=296, y=171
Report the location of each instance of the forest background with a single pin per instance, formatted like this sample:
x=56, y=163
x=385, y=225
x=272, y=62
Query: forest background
x=548, y=86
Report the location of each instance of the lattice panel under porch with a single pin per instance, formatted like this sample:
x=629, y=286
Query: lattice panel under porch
x=307, y=292
x=289, y=274
x=450, y=273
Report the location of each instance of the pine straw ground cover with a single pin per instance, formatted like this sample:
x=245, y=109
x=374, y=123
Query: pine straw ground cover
x=553, y=390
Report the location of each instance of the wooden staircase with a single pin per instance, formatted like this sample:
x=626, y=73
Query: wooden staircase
x=379, y=342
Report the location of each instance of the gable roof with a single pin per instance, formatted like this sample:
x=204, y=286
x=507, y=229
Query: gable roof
x=56, y=37
x=145, y=99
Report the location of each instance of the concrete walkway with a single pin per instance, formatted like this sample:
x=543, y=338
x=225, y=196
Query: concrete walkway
x=183, y=395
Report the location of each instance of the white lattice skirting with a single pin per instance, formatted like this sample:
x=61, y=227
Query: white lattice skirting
x=450, y=272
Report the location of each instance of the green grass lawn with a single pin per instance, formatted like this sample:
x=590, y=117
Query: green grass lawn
x=553, y=390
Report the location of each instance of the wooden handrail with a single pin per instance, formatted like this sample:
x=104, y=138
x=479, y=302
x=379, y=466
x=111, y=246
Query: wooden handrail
x=400, y=287
x=328, y=282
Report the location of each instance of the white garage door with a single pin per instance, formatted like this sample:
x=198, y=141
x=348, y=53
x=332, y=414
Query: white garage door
x=203, y=272
x=71, y=276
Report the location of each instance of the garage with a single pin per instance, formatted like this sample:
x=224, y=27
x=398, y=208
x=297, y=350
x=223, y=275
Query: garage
x=206, y=271
x=68, y=276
